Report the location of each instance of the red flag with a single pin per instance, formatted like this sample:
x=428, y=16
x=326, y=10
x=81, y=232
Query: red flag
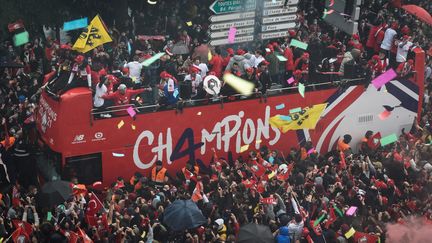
x=18, y=234
x=91, y=220
x=70, y=235
x=257, y=169
x=16, y=25
x=94, y=205
x=268, y=200
x=374, y=141
x=84, y=236
x=284, y=176
x=248, y=183
x=104, y=219
x=26, y=226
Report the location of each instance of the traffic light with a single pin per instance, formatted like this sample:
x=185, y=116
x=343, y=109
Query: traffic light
x=343, y=14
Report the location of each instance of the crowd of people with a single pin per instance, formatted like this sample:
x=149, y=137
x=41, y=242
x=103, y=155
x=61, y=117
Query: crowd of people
x=386, y=184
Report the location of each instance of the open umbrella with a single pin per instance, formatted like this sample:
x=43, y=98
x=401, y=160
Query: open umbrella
x=255, y=233
x=183, y=214
x=54, y=193
x=419, y=12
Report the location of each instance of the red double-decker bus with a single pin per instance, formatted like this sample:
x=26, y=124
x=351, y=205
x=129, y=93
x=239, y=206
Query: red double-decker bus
x=100, y=150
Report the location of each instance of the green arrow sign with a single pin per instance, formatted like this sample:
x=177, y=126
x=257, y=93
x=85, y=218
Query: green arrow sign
x=231, y=6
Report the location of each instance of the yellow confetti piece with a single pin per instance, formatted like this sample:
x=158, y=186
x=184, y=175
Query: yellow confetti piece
x=271, y=175
x=133, y=127
x=244, y=148
x=189, y=23
x=209, y=56
x=350, y=233
x=120, y=124
x=199, y=113
x=240, y=85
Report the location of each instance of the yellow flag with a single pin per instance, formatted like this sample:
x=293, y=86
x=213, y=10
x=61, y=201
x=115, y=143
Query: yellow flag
x=93, y=36
x=307, y=118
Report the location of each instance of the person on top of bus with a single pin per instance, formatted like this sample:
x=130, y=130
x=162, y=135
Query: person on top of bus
x=123, y=95
x=364, y=146
x=135, y=68
x=405, y=68
x=82, y=70
x=159, y=174
x=194, y=77
x=168, y=89
x=101, y=90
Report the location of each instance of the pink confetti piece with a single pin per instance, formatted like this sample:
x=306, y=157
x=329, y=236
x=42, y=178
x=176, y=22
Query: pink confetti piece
x=131, y=111
x=384, y=115
x=384, y=78
x=311, y=151
x=290, y=80
x=231, y=34
x=351, y=211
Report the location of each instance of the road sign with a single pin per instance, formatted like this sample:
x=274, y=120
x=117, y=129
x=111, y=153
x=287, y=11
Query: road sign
x=231, y=6
x=277, y=19
x=282, y=26
x=230, y=17
x=277, y=11
x=237, y=24
x=279, y=3
x=244, y=31
x=273, y=35
x=238, y=39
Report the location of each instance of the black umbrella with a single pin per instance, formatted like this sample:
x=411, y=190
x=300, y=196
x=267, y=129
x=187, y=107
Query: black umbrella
x=255, y=233
x=183, y=214
x=54, y=193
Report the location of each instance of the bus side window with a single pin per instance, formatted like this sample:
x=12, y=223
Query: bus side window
x=86, y=168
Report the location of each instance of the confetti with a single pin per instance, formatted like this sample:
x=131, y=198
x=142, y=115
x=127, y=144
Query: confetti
x=151, y=2
x=131, y=111
x=388, y=139
x=189, y=23
x=231, y=34
x=21, y=38
x=311, y=151
x=299, y=44
x=209, y=55
x=281, y=58
x=351, y=211
x=291, y=80
x=301, y=89
x=384, y=78
x=75, y=24
x=133, y=127
x=285, y=118
x=240, y=85
x=118, y=155
x=350, y=233
x=199, y=113
x=152, y=59
x=319, y=220
x=280, y=107
x=244, y=148
x=295, y=110
x=120, y=124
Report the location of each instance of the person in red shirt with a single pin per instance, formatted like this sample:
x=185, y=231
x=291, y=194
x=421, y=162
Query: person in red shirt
x=379, y=37
x=289, y=64
x=216, y=64
x=227, y=59
x=123, y=96
x=371, y=40
x=82, y=71
x=375, y=66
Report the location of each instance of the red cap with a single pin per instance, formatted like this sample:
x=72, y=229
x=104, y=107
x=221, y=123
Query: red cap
x=297, y=72
x=356, y=37
x=375, y=57
x=102, y=72
x=240, y=52
x=125, y=70
x=264, y=62
x=230, y=51
x=405, y=37
x=292, y=33
x=306, y=55
x=194, y=69
x=79, y=59
x=65, y=46
x=164, y=74
x=249, y=70
x=405, y=30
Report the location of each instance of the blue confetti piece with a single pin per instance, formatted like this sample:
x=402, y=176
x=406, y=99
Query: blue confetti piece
x=285, y=118
x=280, y=107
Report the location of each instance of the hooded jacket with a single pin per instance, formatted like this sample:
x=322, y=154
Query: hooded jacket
x=283, y=236
x=241, y=60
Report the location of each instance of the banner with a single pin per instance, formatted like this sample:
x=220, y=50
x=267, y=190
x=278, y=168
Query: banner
x=93, y=36
x=307, y=118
